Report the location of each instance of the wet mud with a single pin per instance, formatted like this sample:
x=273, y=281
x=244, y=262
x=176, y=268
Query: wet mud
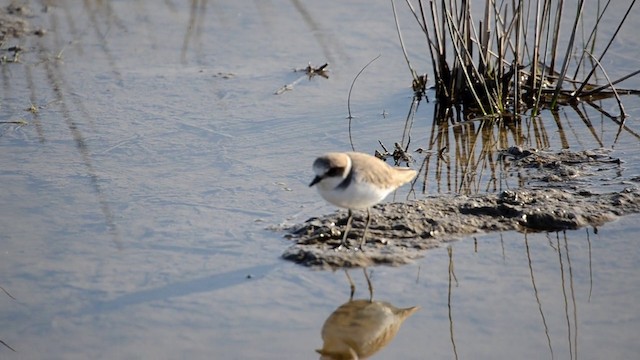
x=554, y=198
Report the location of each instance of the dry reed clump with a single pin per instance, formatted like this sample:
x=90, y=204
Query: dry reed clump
x=514, y=59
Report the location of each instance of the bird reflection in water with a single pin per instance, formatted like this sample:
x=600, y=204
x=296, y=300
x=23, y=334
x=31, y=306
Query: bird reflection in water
x=360, y=328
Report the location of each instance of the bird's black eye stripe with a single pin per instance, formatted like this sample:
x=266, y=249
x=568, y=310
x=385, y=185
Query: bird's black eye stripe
x=336, y=171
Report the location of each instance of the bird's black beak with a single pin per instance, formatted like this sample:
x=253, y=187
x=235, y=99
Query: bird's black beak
x=315, y=181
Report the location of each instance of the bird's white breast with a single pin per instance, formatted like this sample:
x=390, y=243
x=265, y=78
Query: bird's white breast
x=358, y=195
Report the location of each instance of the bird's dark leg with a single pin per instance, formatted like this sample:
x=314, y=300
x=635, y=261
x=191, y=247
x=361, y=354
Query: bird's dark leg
x=343, y=243
x=351, y=285
x=366, y=227
x=366, y=276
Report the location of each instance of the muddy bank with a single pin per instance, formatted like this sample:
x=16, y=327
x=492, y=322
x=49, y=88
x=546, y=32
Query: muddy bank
x=401, y=232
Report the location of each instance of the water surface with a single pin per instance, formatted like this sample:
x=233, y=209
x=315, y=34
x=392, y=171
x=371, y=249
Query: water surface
x=135, y=199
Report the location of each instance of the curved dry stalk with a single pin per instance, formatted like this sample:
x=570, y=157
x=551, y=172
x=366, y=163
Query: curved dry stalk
x=349, y=98
x=615, y=93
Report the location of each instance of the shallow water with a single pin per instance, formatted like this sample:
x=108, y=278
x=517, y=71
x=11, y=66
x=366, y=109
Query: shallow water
x=135, y=200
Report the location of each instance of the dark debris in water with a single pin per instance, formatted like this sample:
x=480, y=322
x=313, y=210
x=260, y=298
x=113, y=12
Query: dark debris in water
x=401, y=232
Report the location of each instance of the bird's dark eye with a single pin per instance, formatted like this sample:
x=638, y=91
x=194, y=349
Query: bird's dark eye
x=336, y=171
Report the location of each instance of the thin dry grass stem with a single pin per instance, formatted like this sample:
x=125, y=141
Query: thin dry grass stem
x=414, y=75
x=7, y=346
x=349, y=117
x=7, y=293
x=567, y=57
x=615, y=93
x=556, y=31
x=408, y=125
x=601, y=88
x=590, y=40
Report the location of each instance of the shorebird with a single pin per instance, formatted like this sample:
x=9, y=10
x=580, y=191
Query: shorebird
x=354, y=180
